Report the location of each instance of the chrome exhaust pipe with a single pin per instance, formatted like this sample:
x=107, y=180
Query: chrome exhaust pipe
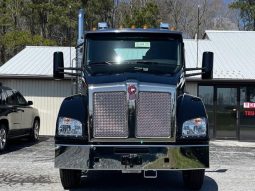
x=80, y=41
x=80, y=38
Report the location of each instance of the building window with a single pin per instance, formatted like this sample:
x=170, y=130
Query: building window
x=247, y=112
x=206, y=94
x=247, y=103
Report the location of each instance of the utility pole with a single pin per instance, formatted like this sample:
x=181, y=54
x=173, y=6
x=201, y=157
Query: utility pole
x=198, y=23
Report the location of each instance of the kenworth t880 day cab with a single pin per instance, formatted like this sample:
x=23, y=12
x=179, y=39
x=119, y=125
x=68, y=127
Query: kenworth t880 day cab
x=132, y=113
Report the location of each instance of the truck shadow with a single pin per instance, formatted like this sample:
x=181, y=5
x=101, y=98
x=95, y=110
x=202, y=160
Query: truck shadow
x=18, y=144
x=116, y=181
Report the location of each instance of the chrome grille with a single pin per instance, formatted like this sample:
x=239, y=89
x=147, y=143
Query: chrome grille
x=153, y=114
x=110, y=115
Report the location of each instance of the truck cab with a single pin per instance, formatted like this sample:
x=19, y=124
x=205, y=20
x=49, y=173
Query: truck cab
x=132, y=113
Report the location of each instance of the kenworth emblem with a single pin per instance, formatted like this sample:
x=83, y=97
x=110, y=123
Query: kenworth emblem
x=132, y=91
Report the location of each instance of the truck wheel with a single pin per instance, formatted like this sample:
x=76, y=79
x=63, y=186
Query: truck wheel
x=70, y=178
x=3, y=138
x=193, y=179
x=34, y=136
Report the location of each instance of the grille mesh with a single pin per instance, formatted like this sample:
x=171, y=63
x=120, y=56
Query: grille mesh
x=153, y=114
x=110, y=115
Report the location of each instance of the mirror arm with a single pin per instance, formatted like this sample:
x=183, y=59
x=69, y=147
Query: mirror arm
x=71, y=68
x=193, y=74
x=192, y=69
x=71, y=74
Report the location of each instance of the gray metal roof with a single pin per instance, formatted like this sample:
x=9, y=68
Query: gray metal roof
x=234, y=53
x=35, y=61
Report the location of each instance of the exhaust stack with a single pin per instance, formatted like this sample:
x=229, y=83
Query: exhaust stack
x=80, y=38
x=79, y=49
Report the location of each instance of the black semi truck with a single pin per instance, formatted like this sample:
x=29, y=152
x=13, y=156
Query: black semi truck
x=131, y=113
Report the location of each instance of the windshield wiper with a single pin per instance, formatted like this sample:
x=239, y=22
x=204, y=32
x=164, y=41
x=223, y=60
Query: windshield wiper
x=147, y=62
x=101, y=63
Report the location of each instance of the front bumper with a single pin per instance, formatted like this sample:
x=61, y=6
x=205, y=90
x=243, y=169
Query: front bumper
x=132, y=157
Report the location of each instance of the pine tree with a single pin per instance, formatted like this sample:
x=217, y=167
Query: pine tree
x=139, y=14
x=247, y=12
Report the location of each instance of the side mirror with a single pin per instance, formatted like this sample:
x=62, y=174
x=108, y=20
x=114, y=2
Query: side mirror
x=29, y=103
x=207, y=65
x=58, y=65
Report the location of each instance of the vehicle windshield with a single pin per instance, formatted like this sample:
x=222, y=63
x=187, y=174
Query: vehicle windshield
x=115, y=55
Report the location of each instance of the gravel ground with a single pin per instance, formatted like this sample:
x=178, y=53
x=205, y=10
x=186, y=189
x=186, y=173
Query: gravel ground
x=30, y=167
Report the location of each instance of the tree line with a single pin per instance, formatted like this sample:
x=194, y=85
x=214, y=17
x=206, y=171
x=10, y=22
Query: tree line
x=54, y=22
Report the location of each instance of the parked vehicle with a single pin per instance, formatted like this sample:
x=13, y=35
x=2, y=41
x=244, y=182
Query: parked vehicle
x=17, y=117
x=132, y=114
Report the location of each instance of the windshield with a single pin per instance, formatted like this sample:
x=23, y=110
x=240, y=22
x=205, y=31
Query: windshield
x=133, y=55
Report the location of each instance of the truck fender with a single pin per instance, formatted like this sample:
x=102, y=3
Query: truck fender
x=75, y=107
x=188, y=107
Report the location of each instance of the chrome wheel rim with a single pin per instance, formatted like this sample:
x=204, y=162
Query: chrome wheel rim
x=36, y=130
x=2, y=138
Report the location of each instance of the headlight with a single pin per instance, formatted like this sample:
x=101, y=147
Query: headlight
x=194, y=128
x=69, y=127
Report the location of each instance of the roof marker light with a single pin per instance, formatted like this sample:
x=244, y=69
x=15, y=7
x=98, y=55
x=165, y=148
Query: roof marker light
x=173, y=28
x=145, y=26
x=102, y=25
x=164, y=25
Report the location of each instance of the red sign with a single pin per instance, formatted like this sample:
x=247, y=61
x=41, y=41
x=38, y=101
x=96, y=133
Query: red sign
x=248, y=105
x=249, y=113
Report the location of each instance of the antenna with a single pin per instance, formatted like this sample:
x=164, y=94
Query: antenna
x=197, y=36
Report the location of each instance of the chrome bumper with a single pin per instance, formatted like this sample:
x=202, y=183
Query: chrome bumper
x=132, y=157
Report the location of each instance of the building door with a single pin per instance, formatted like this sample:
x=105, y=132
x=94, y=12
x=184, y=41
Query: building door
x=226, y=113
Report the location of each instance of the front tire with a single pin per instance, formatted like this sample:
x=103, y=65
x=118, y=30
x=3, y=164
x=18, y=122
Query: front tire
x=35, y=131
x=3, y=138
x=193, y=179
x=70, y=178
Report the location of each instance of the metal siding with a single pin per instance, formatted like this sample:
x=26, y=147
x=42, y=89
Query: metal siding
x=191, y=88
x=47, y=96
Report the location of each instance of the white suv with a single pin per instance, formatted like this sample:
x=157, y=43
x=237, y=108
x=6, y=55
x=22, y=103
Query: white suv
x=17, y=117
